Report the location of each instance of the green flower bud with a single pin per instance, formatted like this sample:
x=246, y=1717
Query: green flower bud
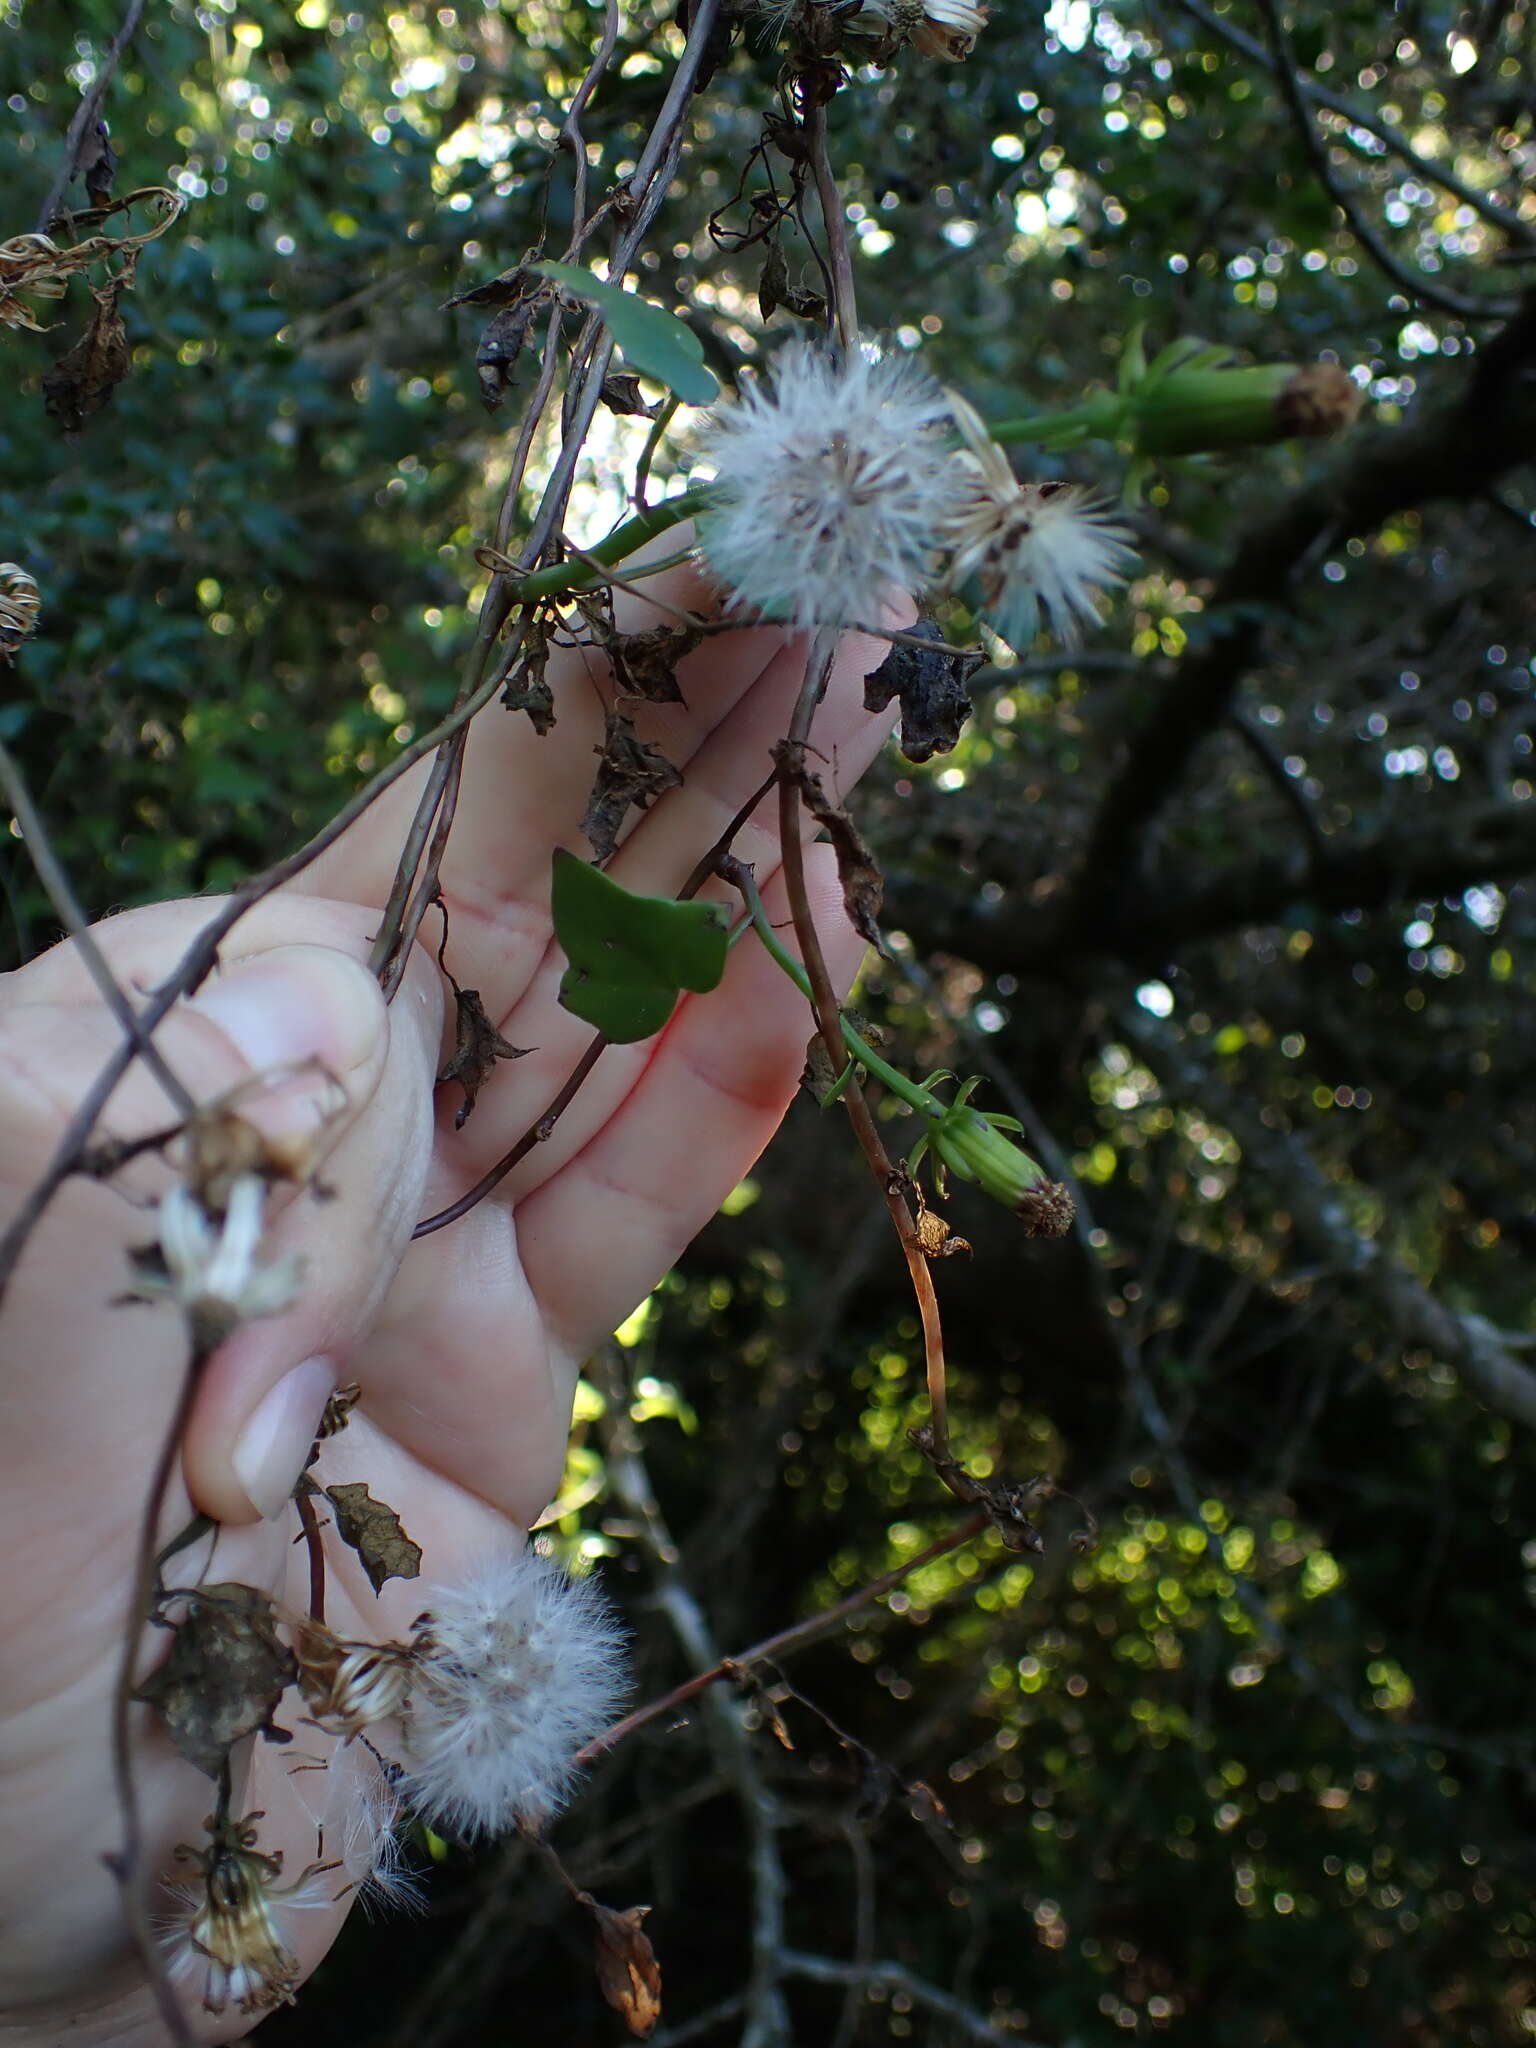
x=972, y=1147
x=1195, y=401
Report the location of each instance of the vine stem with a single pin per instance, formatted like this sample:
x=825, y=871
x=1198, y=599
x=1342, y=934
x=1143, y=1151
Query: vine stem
x=828, y=1014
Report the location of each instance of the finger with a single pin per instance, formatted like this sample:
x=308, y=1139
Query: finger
x=521, y=794
x=96, y=1382
x=657, y=859
x=595, y=1239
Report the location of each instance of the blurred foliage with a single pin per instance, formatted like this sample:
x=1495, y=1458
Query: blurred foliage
x=1259, y=1768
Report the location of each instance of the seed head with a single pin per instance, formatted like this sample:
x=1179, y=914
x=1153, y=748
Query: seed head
x=211, y=1264
x=230, y=1936
x=1033, y=548
x=832, y=486
x=517, y=1667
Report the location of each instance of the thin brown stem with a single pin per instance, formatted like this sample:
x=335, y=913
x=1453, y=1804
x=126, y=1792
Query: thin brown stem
x=314, y=1543
x=783, y=1644
x=835, y=222
x=85, y=114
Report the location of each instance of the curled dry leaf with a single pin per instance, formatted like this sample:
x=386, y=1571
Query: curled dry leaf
x=477, y=1048
x=935, y=1239
x=81, y=381
x=372, y=1528
x=863, y=890
x=629, y=772
x=526, y=688
x=645, y=664
x=621, y=394
x=97, y=163
x=225, y=1674
x=500, y=345
x=932, y=688
x=628, y=1973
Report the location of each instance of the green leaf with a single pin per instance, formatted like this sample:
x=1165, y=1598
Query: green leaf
x=654, y=341
x=631, y=955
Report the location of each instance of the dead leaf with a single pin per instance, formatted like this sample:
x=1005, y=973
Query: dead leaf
x=225, y=1674
x=504, y=290
x=498, y=349
x=97, y=164
x=931, y=686
x=81, y=381
x=935, y=1239
x=526, y=688
x=863, y=890
x=477, y=1048
x=628, y=1973
x=773, y=285
x=372, y=1528
x=621, y=394
x=630, y=772
x=645, y=664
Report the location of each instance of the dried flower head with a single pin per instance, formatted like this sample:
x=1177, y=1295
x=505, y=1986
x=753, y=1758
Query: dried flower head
x=19, y=606
x=1033, y=548
x=230, y=1936
x=832, y=486
x=937, y=28
x=347, y=1686
x=518, y=1666
x=211, y=1266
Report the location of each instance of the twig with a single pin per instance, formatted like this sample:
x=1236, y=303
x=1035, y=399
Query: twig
x=85, y=114
x=1413, y=282
x=309, y=1522
x=783, y=1644
x=1366, y=121
x=50, y=872
x=974, y=2026
x=835, y=223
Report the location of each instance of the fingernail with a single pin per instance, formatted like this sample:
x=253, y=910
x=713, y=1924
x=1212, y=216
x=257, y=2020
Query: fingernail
x=298, y=1003
x=275, y=1443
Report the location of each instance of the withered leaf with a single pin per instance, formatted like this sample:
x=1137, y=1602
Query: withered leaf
x=477, y=1048
x=81, y=381
x=629, y=772
x=373, y=1530
x=806, y=305
x=628, y=1973
x=935, y=1239
x=504, y=290
x=225, y=1674
x=498, y=349
x=931, y=686
x=863, y=890
x=773, y=285
x=621, y=393
x=645, y=664
x=526, y=688
x=97, y=164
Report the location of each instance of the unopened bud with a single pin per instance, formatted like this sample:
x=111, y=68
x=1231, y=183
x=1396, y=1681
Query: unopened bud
x=1198, y=406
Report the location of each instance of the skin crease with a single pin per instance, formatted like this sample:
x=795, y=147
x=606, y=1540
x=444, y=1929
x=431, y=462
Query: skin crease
x=467, y=1344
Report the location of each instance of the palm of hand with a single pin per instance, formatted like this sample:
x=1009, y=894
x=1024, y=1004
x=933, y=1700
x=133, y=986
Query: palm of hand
x=466, y=1343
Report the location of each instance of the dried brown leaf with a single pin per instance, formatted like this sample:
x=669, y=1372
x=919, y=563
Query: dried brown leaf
x=505, y=290
x=935, y=1239
x=621, y=394
x=225, y=1674
x=82, y=380
x=478, y=1046
x=372, y=1528
x=628, y=1973
x=498, y=349
x=645, y=664
x=863, y=890
x=932, y=687
x=629, y=772
x=526, y=688
x=97, y=164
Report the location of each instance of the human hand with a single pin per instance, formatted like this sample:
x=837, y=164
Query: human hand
x=466, y=1344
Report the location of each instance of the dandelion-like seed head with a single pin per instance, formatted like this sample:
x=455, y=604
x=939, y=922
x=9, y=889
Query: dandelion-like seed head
x=832, y=486
x=517, y=1667
x=211, y=1266
x=1035, y=549
x=229, y=1936
x=938, y=28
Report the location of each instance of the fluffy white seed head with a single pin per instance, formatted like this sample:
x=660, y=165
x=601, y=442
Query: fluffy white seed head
x=1034, y=548
x=832, y=486
x=517, y=1667
x=939, y=28
x=226, y=1932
